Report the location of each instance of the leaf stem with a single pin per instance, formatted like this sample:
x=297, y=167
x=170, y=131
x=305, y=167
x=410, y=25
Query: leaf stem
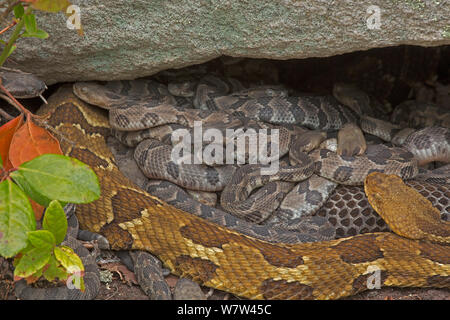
x=4, y=174
x=10, y=8
x=17, y=104
x=14, y=37
x=12, y=24
x=5, y=114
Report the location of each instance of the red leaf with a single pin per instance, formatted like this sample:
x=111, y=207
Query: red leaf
x=31, y=279
x=26, y=143
x=31, y=141
x=17, y=278
x=37, y=208
x=6, y=134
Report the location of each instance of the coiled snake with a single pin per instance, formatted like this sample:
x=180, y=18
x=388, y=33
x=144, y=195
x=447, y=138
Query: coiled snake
x=225, y=259
x=147, y=106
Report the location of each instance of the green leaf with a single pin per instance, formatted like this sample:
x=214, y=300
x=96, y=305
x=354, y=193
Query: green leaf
x=54, y=270
x=13, y=47
x=55, y=221
x=16, y=219
x=19, y=11
x=21, y=253
x=57, y=177
x=42, y=239
x=68, y=259
x=41, y=34
x=1, y=163
x=36, y=275
x=31, y=192
x=72, y=263
x=32, y=261
x=51, y=5
x=30, y=23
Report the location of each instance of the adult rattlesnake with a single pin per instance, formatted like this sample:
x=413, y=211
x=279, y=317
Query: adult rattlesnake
x=228, y=260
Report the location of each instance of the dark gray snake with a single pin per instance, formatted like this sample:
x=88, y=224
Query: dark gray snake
x=145, y=110
x=373, y=153
x=142, y=112
x=21, y=84
x=250, y=107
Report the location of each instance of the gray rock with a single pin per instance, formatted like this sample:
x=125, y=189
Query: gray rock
x=131, y=39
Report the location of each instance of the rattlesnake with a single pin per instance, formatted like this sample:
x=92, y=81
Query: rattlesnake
x=147, y=110
x=261, y=230
x=21, y=84
x=205, y=252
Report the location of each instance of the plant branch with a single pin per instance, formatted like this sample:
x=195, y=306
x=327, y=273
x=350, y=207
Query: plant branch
x=14, y=37
x=5, y=114
x=15, y=103
x=7, y=11
x=12, y=24
x=10, y=101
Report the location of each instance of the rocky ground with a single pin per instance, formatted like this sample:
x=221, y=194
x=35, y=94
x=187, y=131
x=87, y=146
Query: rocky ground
x=120, y=284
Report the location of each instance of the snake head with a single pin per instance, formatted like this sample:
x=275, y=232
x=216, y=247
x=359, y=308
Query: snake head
x=405, y=210
x=96, y=94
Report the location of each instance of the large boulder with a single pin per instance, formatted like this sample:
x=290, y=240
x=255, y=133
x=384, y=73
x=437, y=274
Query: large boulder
x=130, y=39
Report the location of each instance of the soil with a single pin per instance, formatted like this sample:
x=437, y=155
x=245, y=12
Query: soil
x=121, y=287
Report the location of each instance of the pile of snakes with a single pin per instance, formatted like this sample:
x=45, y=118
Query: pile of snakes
x=335, y=210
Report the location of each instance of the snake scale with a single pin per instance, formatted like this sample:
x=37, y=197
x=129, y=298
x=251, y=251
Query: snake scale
x=147, y=106
x=226, y=259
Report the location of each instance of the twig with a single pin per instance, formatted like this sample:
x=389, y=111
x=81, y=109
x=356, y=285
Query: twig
x=14, y=37
x=4, y=174
x=8, y=10
x=12, y=24
x=15, y=103
x=6, y=115
x=7, y=99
